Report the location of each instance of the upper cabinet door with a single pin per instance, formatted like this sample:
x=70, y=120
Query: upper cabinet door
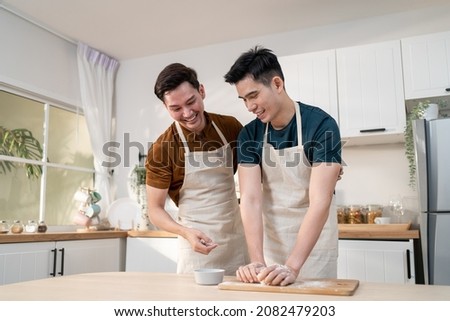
x=426, y=65
x=370, y=90
x=311, y=79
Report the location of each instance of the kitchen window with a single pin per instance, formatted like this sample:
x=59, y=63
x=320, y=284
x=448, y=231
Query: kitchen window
x=65, y=164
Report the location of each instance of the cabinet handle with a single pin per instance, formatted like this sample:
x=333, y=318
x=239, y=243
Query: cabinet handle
x=408, y=264
x=62, y=262
x=54, y=263
x=372, y=130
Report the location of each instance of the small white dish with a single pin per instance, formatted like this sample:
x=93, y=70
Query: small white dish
x=209, y=276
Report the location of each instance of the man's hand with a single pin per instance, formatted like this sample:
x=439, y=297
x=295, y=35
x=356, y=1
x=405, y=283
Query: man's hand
x=277, y=275
x=199, y=241
x=249, y=273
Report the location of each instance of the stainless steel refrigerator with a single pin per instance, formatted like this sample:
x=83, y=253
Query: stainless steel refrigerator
x=432, y=151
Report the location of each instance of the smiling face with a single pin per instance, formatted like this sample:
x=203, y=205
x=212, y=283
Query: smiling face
x=185, y=105
x=263, y=101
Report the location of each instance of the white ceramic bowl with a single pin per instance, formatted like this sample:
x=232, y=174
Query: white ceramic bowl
x=208, y=276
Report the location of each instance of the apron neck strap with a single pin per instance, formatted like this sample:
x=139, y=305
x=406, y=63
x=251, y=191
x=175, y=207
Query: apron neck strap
x=222, y=137
x=298, y=119
x=184, y=141
x=182, y=137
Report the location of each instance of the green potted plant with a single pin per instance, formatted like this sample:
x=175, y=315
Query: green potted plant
x=417, y=112
x=20, y=143
x=137, y=189
x=137, y=178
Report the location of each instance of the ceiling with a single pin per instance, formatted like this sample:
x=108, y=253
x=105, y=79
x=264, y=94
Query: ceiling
x=127, y=29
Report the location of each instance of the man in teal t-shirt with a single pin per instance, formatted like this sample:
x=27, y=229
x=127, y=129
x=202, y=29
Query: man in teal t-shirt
x=289, y=162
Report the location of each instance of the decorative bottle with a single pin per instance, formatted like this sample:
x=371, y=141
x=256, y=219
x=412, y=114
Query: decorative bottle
x=31, y=227
x=17, y=227
x=42, y=227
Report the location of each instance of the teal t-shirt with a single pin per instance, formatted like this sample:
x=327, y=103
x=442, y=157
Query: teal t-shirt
x=320, y=134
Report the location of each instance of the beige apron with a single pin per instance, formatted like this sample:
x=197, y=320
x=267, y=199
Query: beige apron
x=285, y=202
x=208, y=203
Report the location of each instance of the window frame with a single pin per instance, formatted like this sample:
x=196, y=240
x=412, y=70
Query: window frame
x=47, y=103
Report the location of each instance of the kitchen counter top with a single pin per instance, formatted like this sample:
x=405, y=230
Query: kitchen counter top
x=60, y=236
x=375, y=231
x=146, y=286
x=346, y=231
x=151, y=233
x=79, y=235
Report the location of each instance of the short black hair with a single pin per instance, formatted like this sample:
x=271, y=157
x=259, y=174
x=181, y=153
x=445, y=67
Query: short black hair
x=260, y=63
x=172, y=76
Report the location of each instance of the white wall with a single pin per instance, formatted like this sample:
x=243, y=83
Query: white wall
x=33, y=59
x=373, y=172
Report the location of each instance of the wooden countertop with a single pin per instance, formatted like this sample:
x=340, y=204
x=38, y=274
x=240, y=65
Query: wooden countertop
x=60, y=236
x=147, y=286
x=375, y=231
x=152, y=233
x=346, y=231
x=79, y=235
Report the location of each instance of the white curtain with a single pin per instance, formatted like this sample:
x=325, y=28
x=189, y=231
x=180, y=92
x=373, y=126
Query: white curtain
x=97, y=74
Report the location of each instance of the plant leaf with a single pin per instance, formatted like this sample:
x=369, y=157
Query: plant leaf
x=20, y=143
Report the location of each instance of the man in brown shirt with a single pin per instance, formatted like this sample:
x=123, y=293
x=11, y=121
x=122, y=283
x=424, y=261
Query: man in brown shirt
x=193, y=162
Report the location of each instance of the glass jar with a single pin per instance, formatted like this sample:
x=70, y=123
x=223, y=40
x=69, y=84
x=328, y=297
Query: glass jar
x=17, y=227
x=42, y=227
x=4, y=227
x=372, y=212
x=31, y=227
x=342, y=214
x=355, y=215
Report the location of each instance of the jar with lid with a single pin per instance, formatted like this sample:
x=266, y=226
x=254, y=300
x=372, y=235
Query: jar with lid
x=372, y=212
x=342, y=214
x=355, y=215
x=31, y=227
x=42, y=227
x=17, y=227
x=4, y=227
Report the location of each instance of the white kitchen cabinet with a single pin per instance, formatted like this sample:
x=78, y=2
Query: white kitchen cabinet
x=37, y=260
x=370, y=91
x=25, y=261
x=311, y=79
x=88, y=256
x=377, y=261
x=152, y=254
x=426, y=65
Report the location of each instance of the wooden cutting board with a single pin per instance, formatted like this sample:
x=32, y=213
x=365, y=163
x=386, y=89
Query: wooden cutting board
x=306, y=286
